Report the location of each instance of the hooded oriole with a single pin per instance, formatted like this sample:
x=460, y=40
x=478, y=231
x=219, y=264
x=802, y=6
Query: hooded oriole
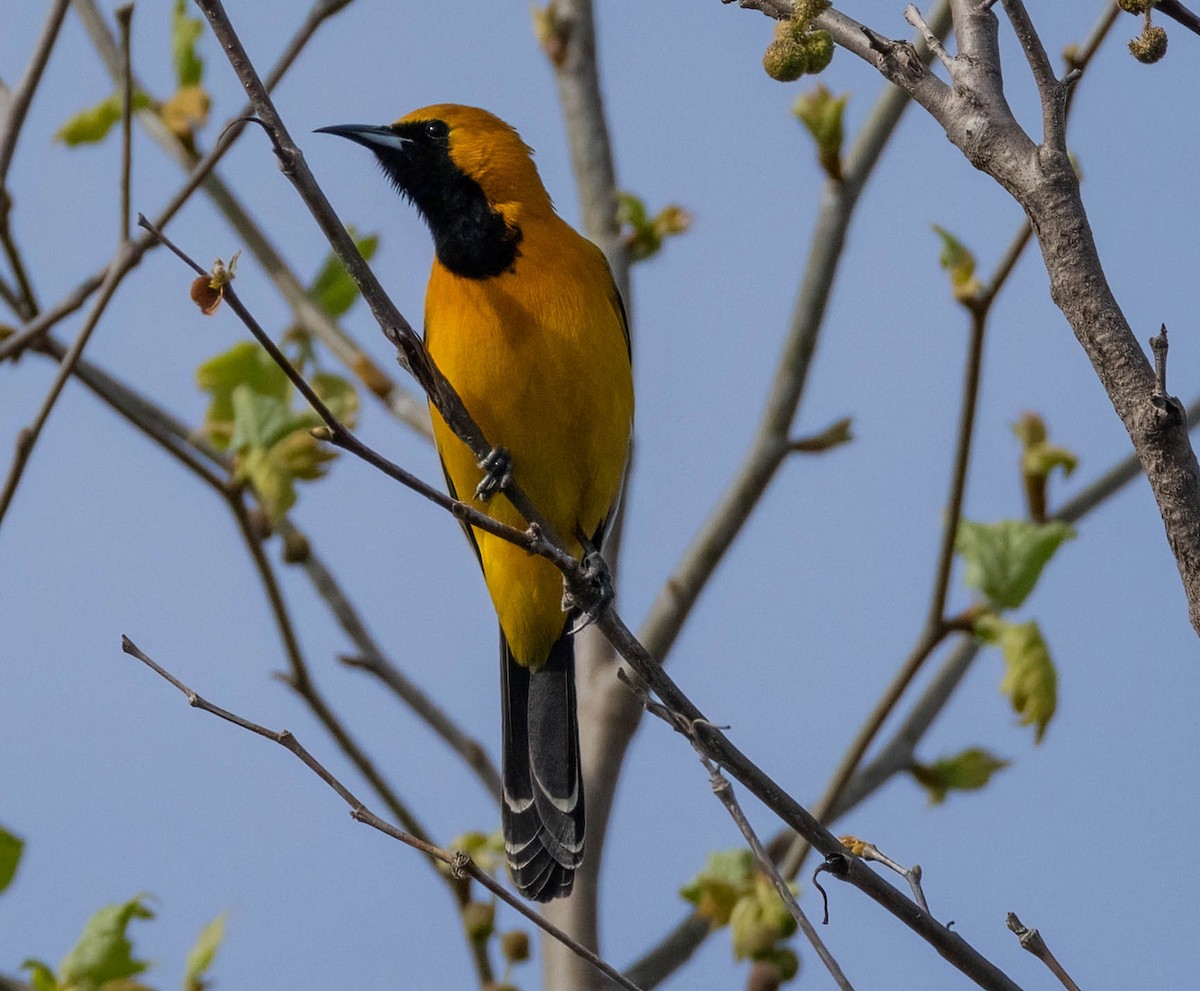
x=523, y=318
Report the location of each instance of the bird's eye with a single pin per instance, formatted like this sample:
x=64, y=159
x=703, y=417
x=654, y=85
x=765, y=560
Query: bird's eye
x=437, y=130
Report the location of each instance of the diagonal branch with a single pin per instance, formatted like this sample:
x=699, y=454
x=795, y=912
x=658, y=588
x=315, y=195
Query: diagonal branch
x=22, y=96
x=461, y=866
x=398, y=400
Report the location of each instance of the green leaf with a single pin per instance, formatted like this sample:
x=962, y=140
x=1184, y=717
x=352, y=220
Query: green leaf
x=821, y=112
x=759, y=920
x=727, y=875
x=646, y=234
x=10, y=856
x=185, y=32
x=93, y=124
x=261, y=420
x=960, y=263
x=245, y=363
x=104, y=953
x=1030, y=679
x=486, y=849
x=1005, y=559
x=200, y=957
x=40, y=975
x=333, y=290
x=338, y=394
x=783, y=959
x=966, y=771
x=273, y=469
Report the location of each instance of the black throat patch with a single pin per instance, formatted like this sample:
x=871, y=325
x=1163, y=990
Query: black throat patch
x=471, y=238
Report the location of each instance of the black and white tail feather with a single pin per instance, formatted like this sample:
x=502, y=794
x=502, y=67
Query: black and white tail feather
x=543, y=811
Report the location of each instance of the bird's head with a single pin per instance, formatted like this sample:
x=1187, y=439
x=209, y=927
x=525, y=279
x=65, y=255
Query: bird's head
x=432, y=153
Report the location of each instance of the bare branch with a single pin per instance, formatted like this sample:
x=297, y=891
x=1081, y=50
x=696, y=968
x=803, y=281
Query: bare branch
x=1042, y=179
x=124, y=16
x=1177, y=11
x=398, y=400
x=1051, y=92
x=128, y=256
x=1032, y=941
x=23, y=95
x=460, y=864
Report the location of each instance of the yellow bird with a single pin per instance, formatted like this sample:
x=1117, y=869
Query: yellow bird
x=523, y=318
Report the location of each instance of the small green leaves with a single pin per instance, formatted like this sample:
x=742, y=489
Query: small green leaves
x=646, y=234
x=1039, y=458
x=759, y=921
x=11, y=848
x=966, y=771
x=821, y=112
x=244, y=363
x=104, y=952
x=731, y=891
x=251, y=413
x=40, y=975
x=1005, y=559
x=715, y=890
x=182, y=113
x=185, y=32
x=200, y=957
x=1030, y=679
x=186, y=112
x=93, y=124
x=479, y=920
x=960, y=263
x=333, y=290
x=486, y=849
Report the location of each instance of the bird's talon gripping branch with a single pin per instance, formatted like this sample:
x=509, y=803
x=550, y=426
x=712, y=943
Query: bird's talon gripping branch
x=591, y=593
x=497, y=467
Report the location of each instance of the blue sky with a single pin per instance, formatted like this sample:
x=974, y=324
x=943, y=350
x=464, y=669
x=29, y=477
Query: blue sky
x=119, y=788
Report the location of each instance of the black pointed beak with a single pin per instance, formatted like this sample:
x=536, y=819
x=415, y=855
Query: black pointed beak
x=377, y=137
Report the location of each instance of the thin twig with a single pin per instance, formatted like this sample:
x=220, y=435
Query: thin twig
x=1051, y=91
x=1176, y=10
x=124, y=16
x=341, y=436
x=724, y=791
x=23, y=299
x=37, y=326
x=460, y=863
x=183, y=444
x=27, y=437
x=398, y=400
x=1032, y=941
x=22, y=96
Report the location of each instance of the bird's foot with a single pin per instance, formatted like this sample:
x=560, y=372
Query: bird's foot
x=497, y=469
x=590, y=593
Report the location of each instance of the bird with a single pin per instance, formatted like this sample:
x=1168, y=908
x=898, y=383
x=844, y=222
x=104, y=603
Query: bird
x=524, y=319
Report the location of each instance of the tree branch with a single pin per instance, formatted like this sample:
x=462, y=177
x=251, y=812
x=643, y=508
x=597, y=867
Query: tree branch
x=398, y=400
x=461, y=866
x=1041, y=178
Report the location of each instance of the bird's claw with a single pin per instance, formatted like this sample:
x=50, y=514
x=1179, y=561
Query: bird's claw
x=497, y=473
x=591, y=594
